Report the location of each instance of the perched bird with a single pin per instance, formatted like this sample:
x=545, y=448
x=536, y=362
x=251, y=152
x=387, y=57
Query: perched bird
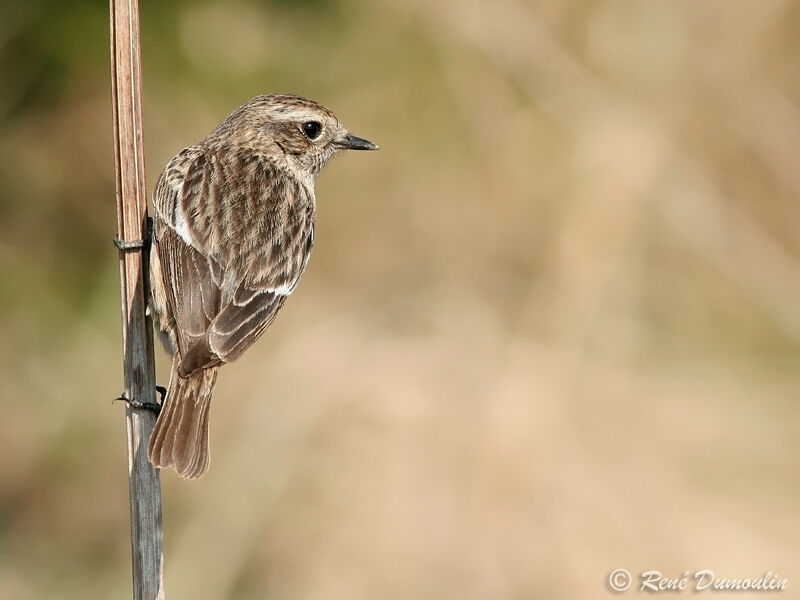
x=233, y=229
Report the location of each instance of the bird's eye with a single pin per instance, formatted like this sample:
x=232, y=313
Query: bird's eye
x=312, y=129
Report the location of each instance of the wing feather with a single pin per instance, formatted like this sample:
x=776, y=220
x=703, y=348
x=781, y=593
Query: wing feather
x=230, y=250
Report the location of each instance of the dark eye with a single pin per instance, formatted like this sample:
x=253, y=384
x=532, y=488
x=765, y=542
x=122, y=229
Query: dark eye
x=311, y=129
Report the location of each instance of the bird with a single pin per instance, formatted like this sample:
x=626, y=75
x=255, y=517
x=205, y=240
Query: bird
x=232, y=233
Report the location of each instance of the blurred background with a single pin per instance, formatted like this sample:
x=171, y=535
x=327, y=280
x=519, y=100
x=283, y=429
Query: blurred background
x=551, y=329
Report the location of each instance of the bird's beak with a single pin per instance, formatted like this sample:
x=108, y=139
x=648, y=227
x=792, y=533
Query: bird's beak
x=351, y=142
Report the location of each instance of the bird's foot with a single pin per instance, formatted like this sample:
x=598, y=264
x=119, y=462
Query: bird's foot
x=127, y=245
x=154, y=407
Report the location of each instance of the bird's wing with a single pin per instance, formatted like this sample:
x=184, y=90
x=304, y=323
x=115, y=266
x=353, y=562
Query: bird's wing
x=231, y=251
x=191, y=279
x=241, y=322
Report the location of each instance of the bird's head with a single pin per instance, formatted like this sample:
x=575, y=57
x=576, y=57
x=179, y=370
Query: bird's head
x=286, y=127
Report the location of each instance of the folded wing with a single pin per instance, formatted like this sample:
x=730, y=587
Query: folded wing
x=225, y=281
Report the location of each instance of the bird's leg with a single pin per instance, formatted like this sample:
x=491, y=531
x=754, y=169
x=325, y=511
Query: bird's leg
x=154, y=407
x=125, y=245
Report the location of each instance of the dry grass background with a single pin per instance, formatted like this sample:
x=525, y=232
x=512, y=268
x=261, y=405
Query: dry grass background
x=551, y=329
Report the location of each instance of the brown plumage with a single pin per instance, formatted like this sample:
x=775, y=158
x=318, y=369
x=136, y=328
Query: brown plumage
x=233, y=229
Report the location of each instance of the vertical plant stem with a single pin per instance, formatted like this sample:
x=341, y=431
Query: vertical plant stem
x=137, y=336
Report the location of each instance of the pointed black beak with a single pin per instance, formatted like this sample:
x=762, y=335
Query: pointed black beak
x=351, y=142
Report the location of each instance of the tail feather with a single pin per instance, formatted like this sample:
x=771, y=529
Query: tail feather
x=180, y=437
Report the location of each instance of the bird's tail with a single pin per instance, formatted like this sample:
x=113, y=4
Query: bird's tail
x=180, y=437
